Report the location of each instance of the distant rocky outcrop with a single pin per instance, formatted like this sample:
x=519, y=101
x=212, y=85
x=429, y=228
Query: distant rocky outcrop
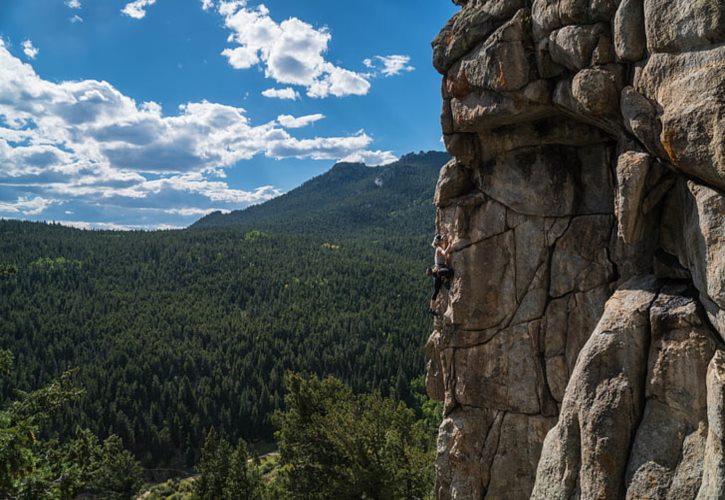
x=580, y=350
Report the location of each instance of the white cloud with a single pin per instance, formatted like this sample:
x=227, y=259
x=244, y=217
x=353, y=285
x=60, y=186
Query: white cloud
x=339, y=82
x=207, y=4
x=291, y=52
x=137, y=8
x=73, y=4
x=289, y=121
x=392, y=65
x=76, y=19
x=371, y=158
x=318, y=148
x=285, y=93
x=84, y=142
x=395, y=64
x=241, y=57
x=29, y=50
x=26, y=205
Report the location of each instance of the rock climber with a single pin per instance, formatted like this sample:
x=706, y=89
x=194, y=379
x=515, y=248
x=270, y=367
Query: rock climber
x=442, y=274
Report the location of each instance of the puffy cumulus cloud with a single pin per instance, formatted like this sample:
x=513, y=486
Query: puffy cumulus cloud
x=76, y=19
x=29, y=50
x=137, y=8
x=84, y=143
x=289, y=121
x=338, y=82
x=291, y=52
x=73, y=4
x=392, y=65
x=286, y=93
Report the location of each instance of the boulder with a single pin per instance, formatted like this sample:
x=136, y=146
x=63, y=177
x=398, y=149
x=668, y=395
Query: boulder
x=545, y=17
x=572, y=46
x=472, y=24
x=628, y=31
x=678, y=25
x=454, y=181
x=596, y=92
x=688, y=88
x=501, y=63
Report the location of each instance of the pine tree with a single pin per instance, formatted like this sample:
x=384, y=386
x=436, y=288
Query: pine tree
x=243, y=481
x=31, y=467
x=336, y=444
x=213, y=467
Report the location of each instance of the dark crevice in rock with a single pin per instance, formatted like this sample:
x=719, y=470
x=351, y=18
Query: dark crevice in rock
x=615, y=269
x=495, y=427
x=546, y=400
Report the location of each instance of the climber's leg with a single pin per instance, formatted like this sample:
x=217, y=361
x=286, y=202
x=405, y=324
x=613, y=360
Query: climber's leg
x=437, y=282
x=447, y=275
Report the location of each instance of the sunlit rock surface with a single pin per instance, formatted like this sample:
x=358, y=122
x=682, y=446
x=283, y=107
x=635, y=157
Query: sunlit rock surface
x=579, y=351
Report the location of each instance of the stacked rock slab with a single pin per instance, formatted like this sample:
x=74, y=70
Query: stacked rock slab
x=579, y=351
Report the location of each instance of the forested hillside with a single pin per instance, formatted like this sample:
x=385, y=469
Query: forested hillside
x=174, y=332
x=350, y=200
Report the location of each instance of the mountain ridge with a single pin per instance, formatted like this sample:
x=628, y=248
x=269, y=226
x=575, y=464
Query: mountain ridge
x=350, y=197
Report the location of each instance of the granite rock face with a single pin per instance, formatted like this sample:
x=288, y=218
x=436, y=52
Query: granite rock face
x=579, y=351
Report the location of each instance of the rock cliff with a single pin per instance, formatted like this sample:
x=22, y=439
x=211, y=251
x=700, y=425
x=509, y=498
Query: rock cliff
x=579, y=352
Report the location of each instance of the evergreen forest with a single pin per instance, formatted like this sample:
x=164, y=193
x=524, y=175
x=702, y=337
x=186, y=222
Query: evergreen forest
x=173, y=333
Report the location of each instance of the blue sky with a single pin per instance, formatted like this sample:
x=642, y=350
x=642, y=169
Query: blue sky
x=150, y=113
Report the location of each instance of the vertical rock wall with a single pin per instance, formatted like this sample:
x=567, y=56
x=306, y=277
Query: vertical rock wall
x=579, y=350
